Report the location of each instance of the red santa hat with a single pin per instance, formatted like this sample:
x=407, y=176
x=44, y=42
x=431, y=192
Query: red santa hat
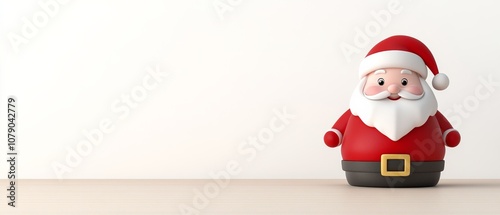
x=403, y=52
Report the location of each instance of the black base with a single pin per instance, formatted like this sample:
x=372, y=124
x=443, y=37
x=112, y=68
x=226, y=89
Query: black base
x=367, y=174
x=363, y=179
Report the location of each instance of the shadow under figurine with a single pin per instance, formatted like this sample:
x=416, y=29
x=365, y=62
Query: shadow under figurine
x=393, y=135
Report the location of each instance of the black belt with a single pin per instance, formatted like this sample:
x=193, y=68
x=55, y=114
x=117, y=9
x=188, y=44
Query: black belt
x=393, y=165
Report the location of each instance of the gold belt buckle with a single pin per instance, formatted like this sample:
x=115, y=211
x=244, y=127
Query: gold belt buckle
x=383, y=164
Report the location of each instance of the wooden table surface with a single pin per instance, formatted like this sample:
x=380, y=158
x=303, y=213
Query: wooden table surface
x=248, y=197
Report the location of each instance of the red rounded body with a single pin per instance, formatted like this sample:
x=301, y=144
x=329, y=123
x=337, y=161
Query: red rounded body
x=363, y=143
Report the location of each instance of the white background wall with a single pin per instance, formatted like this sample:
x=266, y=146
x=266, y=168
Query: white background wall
x=229, y=72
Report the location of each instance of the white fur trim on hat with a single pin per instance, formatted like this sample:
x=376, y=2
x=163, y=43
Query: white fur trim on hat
x=440, y=81
x=393, y=59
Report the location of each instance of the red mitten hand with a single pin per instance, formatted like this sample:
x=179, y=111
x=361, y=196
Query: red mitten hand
x=451, y=137
x=333, y=138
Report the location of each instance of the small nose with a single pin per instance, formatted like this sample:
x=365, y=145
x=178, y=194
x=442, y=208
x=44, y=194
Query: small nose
x=393, y=88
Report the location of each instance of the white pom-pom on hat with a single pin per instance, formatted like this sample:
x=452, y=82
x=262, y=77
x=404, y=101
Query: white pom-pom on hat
x=440, y=81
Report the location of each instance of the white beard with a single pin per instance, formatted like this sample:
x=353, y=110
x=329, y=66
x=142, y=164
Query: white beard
x=397, y=118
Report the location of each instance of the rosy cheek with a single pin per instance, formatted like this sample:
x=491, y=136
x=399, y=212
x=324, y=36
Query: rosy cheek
x=414, y=89
x=372, y=90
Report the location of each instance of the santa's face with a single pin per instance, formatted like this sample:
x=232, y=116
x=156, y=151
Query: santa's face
x=389, y=83
x=394, y=101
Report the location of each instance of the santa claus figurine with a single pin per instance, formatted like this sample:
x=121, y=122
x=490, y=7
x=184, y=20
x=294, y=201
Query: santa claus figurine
x=393, y=135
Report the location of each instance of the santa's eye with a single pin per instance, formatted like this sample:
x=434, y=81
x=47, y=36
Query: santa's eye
x=381, y=81
x=404, y=81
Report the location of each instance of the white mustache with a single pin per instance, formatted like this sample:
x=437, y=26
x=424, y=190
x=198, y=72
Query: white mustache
x=404, y=94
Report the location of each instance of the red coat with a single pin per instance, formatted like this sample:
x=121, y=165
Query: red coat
x=363, y=143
